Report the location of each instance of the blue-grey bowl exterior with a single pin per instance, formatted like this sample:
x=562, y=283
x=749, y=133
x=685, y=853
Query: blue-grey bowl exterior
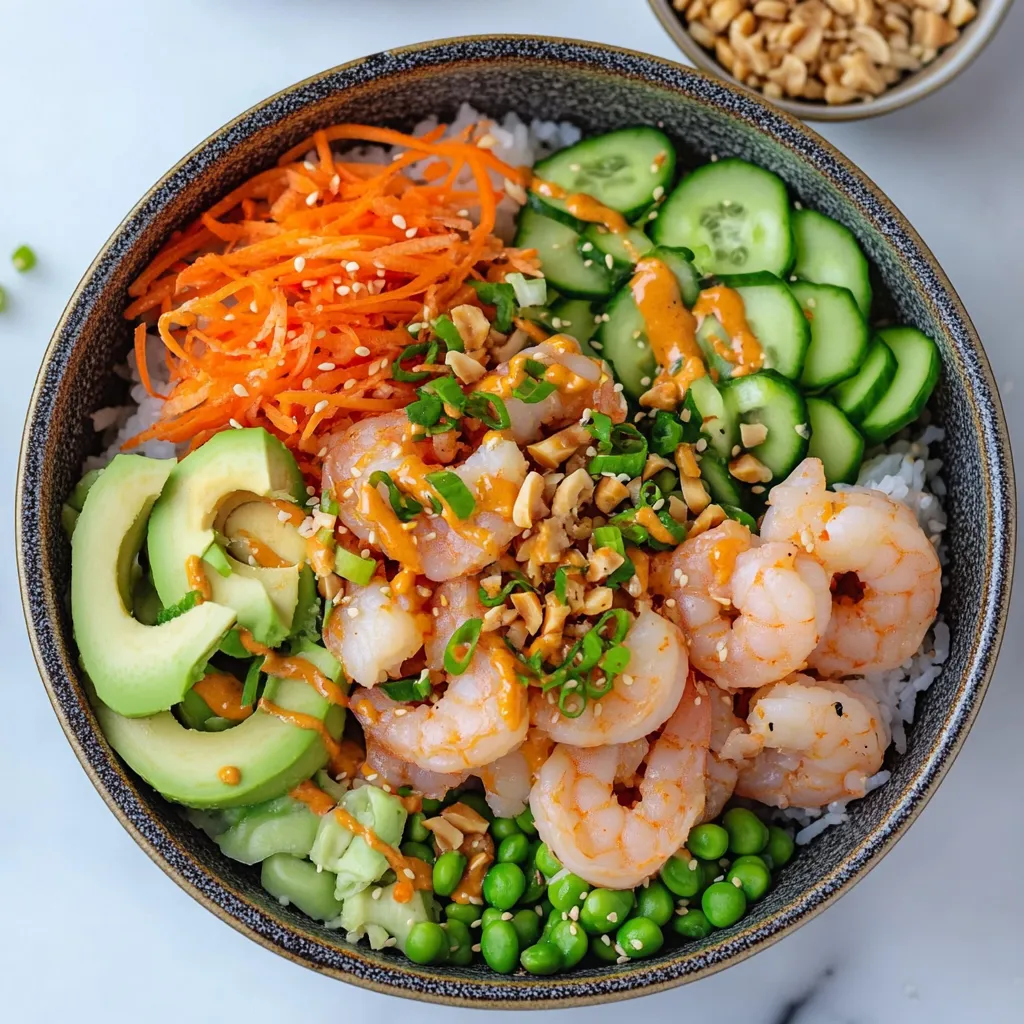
x=598, y=88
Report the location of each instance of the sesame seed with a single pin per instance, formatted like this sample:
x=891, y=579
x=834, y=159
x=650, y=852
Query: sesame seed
x=506, y=916
x=253, y=308
x=645, y=381
x=353, y=613
x=670, y=602
x=574, y=913
x=299, y=264
x=587, y=247
x=352, y=267
x=636, y=943
x=326, y=367
x=475, y=947
x=720, y=878
x=376, y=894
x=362, y=350
x=344, y=289
x=321, y=405
x=229, y=316
x=573, y=930
x=399, y=221
x=692, y=865
x=312, y=198
x=238, y=426
x=617, y=389
x=411, y=233
x=658, y=192
x=622, y=959
x=613, y=917
x=609, y=260
x=239, y=389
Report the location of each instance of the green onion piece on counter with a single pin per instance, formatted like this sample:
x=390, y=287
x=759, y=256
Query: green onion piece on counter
x=446, y=330
x=188, y=602
x=426, y=410
x=488, y=409
x=448, y=390
x=353, y=568
x=518, y=582
x=628, y=453
x=600, y=426
x=535, y=368
x=215, y=558
x=404, y=506
x=405, y=690
x=572, y=703
x=666, y=433
x=532, y=391
x=502, y=297
x=422, y=348
x=458, y=496
x=252, y=682
x=529, y=291
x=23, y=258
x=466, y=636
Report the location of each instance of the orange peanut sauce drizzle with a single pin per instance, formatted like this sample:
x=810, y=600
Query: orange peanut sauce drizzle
x=197, y=577
x=262, y=554
x=412, y=872
x=726, y=305
x=222, y=693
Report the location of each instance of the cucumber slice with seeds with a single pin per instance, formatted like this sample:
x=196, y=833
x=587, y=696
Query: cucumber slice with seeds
x=839, y=335
x=619, y=252
x=574, y=317
x=723, y=487
x=827, y=253
x=835, y=441
x=733, y=215
x=917, y=373
x=560, y=259
x=680, y=262
x=718, y=421
x=859, y=394
x=625, y=170
x=622, y=340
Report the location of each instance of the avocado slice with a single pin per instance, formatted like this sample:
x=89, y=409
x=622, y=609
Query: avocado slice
x=360, y=913
x=136, y=669
x=232, y=468
x=260, y=519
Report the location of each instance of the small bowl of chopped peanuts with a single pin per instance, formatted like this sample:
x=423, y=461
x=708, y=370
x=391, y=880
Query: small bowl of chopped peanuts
x=833, y=60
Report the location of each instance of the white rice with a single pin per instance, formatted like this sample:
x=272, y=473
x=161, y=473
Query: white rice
x=904, y=469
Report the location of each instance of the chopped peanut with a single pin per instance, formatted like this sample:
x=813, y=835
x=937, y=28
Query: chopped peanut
x=554, y=450
x=610, y=493
x=448, y=837
x=529, y=504
x=466, y=368
x=528, y=605
x=572, y=493
x=750, y=470
x=472, y=325
x=603, y=562
x=598, y=600
x=465, y=819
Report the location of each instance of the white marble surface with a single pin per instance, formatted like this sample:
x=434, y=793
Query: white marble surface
x=98, y=100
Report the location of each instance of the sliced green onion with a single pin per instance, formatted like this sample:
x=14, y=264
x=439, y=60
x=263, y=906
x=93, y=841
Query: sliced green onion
x=328, y=504
x=678, y=531
x=426, y=410
x=649, y=494
x=187, y=603
x=630, y=529
x=215, y=558
x=231, y=645
x=518, y=582
x=448, y=390
x=562, y=582
x=535, y=368
x=591, y=651
x=412, y=688
x=628, y=453
x=325, y=537
x=572, y=703
x=609, y=537
x=533, y=391
x=489, y=410
x=502, y=297
x=741, y=517
x=252, y=682
x=666, y=433
x=23, y=258
x=600, y=426
x=466, y=636
x=404, y=506
x=352, y=567
x=328, y=612
x=422, y=348
x=597, y=690
x=529, y=291
x=622, y=624
x=446, y=330
x=457, y=495
x=615, y=660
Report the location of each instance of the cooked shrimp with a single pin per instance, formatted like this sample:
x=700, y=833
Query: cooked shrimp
x=373, y=632
x=642, y=700
x=721, y=774
x=819, y=742
x=587, y=385
x=440, y=546
x=450, y=606
x=508, y=780
x=752, y=614
x=578, y=813
x=397, y=773
x=885, y=572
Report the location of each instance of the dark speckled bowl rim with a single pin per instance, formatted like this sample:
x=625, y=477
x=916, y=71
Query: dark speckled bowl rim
x=638, y=977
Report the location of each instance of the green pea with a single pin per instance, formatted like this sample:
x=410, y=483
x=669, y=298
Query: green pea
x=640, y=937
x=477, y=802
x=680, y=877
x=567, y=892
x=528, y=926
x=692, y=925
x=605, y=909
x=604, y=951
x=525, y=822
x=502, y=828
x=503, y=885
x=780, y=846
x=490, y=915
x=708, y=841
x=499, y=945
x=536, y=887
x=709, y=871
x=747, y=832
x=655, y=902
x=571, y=940
x=542, y=958
x=430, y=807
x=554, y=916
x=754, y=877
x=427, y=943
x=448, y=870
x=421, y=850
x=414, y=830
x=723, y=904
x=514, y=849
x=465, y=913
x=460, y=943
x=547, y=862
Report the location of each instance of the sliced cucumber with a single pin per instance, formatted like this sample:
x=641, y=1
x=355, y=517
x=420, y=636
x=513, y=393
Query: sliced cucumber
x=839, y=335
x=917, y=373
x=622, y=340
x=834, y=440
x=859, y=394
x=576, y=318
x=733, y=215
x=625, y=170
x=710, y=331
x=564, y=267
x=769, y=398
x=723, y=487
x=680, y=262
x=718, y=421
x=827, y=253
x=619, y=252
x=776, y=319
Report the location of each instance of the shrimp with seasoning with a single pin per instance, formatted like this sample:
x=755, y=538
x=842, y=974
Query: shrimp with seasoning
x=397, y=772
x=579, y=815
x=885, y=573
x=752, y=613
x=721, y=774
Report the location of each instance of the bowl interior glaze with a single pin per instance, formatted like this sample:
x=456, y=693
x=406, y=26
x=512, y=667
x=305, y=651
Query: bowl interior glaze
x=598, y=88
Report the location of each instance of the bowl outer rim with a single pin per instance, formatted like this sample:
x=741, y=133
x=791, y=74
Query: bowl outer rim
x=906, y=805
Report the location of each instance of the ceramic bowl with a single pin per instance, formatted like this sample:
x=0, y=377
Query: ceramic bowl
x=974, y=37
x=599, y=88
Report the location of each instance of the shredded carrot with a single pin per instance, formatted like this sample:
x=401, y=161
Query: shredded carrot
x=285, y=304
